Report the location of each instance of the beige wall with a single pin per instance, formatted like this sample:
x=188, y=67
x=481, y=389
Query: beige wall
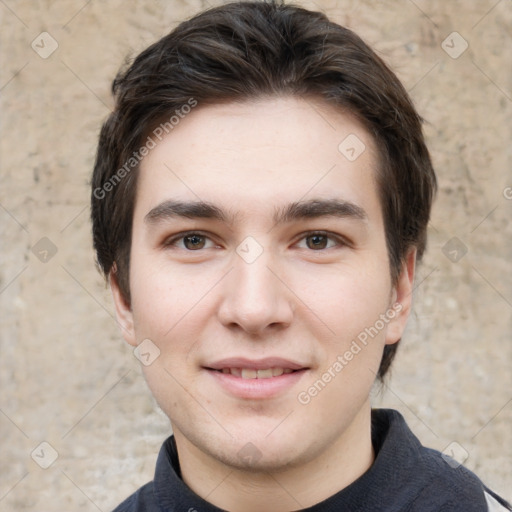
x=68, y=379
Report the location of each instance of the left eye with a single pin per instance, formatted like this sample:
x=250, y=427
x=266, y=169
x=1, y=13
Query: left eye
x=319, y=241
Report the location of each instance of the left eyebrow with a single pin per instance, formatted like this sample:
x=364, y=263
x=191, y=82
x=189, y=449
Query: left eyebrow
x=300, y=210
x=320, y=208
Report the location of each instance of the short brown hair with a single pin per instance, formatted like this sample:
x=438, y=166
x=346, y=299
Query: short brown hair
x=246, y=50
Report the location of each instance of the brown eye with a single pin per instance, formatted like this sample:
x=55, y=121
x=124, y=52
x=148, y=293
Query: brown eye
x=189, y=241
x=320, y=240
x=194, y=242
x=317, y=241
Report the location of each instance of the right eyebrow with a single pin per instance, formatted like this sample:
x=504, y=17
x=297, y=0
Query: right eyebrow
x=187, y=209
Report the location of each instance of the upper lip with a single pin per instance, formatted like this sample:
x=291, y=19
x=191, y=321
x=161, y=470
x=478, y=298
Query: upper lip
x=255, y=364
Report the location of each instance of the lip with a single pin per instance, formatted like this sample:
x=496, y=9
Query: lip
x=256, y=389
x=255, y=364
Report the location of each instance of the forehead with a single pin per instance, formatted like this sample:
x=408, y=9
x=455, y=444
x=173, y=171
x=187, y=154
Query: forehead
x=259, y=156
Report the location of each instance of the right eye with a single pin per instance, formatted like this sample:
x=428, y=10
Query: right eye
x=190, y=241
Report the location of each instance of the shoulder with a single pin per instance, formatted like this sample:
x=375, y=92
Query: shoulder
x=141, y=500
x=426, y=479
x=458, y=488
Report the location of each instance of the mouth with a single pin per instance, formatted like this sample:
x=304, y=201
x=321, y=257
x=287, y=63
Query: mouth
x=249, y=379
x=250, y=373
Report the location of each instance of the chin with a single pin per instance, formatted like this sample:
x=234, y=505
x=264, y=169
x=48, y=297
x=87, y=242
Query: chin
x=251, y=449
x=249, y=458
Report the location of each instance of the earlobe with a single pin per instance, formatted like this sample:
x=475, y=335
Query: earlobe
x=402, y=299
x=124, y=313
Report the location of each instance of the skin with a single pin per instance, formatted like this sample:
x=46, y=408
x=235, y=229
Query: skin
x=303, y=298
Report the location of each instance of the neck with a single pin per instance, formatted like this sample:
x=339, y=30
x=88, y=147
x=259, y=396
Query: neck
x=289, y=489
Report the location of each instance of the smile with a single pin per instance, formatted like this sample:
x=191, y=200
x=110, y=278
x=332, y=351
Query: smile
x=255, y=380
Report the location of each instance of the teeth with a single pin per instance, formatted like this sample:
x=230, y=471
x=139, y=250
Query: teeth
x=249, y=373
x=265, y=374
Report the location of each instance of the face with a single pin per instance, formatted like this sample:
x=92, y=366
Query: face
x=260, y=275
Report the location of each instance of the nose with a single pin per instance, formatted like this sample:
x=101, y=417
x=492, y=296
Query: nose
x=255, y=297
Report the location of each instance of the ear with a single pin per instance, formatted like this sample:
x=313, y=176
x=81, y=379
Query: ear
x=401, y=301
x=124, y=313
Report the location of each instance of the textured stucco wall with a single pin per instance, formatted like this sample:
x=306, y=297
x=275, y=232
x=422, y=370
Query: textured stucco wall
x=69, y=380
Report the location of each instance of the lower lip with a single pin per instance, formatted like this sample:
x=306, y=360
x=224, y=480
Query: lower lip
x=257, y=388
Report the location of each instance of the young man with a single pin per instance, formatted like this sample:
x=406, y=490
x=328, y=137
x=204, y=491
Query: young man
x=259, y=202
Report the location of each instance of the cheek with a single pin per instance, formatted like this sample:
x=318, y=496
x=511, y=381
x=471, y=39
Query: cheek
x=174, y=393
x=354, y=306
x=163, y=300
x=351, y=352
x=346, y=300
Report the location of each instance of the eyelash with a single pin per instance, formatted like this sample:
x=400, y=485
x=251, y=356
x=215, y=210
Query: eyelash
x=330, y=236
